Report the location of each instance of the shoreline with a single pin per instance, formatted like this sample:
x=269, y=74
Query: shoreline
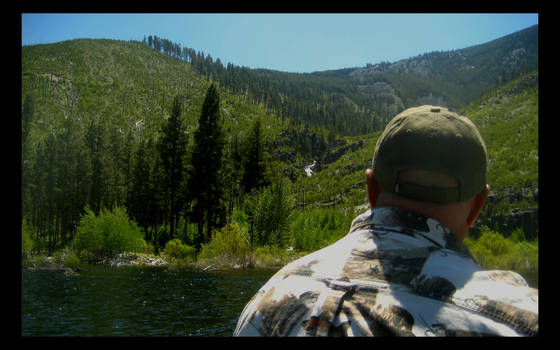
x=41, y=262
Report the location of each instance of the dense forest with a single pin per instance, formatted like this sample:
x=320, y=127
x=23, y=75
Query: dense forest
x=331, y=102
x=193, y=152
x=88, y=142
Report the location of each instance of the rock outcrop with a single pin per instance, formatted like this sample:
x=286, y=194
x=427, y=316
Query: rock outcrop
x=132, y=259
x=49, y=264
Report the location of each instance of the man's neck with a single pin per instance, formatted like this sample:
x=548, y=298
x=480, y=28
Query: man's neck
x=445, y=214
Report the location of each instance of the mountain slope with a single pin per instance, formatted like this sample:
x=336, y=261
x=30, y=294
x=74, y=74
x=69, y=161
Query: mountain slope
x=127, y=87
x=355, y=101
x=508, y=121
x=452, y=78
x=507, y=118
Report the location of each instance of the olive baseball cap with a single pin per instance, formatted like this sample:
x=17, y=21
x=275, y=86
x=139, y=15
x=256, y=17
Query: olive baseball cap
x=435, y=139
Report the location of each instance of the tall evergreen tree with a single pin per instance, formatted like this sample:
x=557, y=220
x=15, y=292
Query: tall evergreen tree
x=141, y=201
x=172, y=148
x=26, y=118
x=95, y=139
x=50, y=190
x=66, y=160
x=38, y=186
x=254, y=165
x=205, y=185
x=26, y=179
x=234, y=168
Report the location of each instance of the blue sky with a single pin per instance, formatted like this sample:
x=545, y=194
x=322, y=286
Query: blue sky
x=287, y=42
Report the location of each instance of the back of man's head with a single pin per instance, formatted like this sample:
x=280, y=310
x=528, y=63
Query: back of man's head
x=431, y=154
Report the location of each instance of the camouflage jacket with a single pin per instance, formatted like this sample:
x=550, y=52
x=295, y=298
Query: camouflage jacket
x=395, y=273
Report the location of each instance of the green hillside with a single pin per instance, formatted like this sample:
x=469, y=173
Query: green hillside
x=508, y=121
x=355, y=101
x=94, y=112
x=123, y=84
x=507, y=118
x=96, y=116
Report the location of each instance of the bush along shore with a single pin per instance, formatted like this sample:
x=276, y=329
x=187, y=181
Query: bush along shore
x=68, y=263
x=490, y=249
x=113, y=240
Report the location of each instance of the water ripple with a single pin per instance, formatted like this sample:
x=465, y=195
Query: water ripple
x=135, y=302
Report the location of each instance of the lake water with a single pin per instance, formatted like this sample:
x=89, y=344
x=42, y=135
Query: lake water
x=133, y=301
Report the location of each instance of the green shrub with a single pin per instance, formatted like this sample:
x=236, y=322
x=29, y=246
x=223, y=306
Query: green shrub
x=89, y=237
x=149, y=248
x=109, y=233
x=66, y=257
x=267, y=256
x=240, y=217
x=229, y=241
x=71, y=260
x=518, y=235
x=207, y=252
x=228, y=247
x=524, y=259
x=176, y=249
x=494, y=242
x=493, y=251
x=316, y=228
x=270, y=210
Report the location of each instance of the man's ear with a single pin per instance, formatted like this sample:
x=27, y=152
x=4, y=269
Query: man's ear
x=372, y=188
x=477, y=205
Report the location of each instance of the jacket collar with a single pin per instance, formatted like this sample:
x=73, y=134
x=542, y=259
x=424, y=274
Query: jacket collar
x=398, y=220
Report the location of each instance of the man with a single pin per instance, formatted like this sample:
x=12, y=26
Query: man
x=403, y=270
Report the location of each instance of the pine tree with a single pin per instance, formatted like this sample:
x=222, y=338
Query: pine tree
x=26, y=118
x=66, y=159
x=233, y=167
x=172, y=150
x=254, y=165
x=95, y=141
x=26, y=179
x=50, y=190
x=140, y=199
x=205, y=185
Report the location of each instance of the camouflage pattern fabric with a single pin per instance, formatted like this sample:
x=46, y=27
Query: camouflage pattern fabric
x=396, y=273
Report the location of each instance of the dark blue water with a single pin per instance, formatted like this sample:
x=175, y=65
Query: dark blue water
x=134, y=301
